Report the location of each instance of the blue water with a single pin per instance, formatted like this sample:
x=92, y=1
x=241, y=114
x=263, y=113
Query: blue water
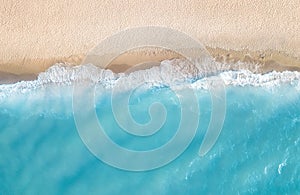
x=258, y=150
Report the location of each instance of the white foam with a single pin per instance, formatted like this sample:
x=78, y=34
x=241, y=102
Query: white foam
x=56, y=84
x=170, y=72
x=245, y=77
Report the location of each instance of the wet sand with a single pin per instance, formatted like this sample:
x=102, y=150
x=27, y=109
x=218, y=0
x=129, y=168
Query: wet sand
x=8, y=78
x=263, y=61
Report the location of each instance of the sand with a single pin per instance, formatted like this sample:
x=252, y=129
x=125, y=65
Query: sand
x=36, y=34
x=7, y=78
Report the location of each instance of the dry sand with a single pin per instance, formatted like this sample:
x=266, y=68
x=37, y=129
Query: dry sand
x=36, y=34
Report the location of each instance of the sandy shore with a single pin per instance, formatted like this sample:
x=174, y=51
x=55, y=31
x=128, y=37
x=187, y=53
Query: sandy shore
x=267, y=60
x=262, y=61
x=37, y=34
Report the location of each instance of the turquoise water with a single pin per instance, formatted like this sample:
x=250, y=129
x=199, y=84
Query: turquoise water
x=258, y=150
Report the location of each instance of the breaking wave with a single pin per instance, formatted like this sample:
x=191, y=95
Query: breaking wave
x=170, y=72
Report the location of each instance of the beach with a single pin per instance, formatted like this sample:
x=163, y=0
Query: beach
x=149, y=97
x=38, y=34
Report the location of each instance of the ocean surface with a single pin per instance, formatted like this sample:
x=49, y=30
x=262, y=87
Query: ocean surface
x=257, y=151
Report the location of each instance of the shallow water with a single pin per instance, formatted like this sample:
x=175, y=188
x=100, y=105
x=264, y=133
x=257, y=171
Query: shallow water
x=256, y=152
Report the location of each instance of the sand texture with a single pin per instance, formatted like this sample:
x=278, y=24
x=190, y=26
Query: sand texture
x=36, y=34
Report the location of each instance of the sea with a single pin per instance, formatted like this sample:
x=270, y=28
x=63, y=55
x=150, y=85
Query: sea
x=62, y=133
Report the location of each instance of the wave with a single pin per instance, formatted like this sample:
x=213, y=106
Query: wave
x=52, y=92
x=170, y=72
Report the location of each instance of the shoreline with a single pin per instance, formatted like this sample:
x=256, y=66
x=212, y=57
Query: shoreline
x=267, y=60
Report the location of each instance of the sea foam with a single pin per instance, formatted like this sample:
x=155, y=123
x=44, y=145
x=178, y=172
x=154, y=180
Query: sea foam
x=170, y=72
